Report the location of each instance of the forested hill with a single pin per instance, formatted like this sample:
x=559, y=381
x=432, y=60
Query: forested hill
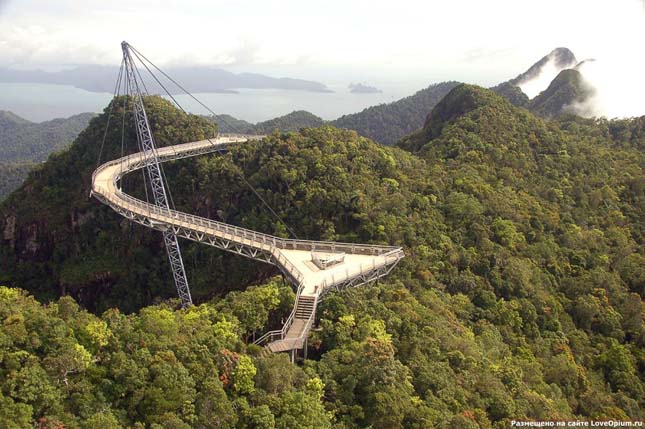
x=24, y=144
x=21, y=139
x=559, y=59
x=12, y=174
x=566, y=94
x=520, y=296
x=512, y=93
x=567, y=90
x=387, y=123
x=290, y=122
x=60, y=241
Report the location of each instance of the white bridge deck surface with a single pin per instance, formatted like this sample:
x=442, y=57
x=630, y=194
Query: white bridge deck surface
x=293, y=257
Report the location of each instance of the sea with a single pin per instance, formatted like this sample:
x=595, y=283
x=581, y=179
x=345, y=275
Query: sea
x=41, y=102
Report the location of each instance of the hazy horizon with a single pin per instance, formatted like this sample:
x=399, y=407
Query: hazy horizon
x=358, y=40
x=409, y=45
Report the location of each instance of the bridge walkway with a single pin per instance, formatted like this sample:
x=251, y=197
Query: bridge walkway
x=356, y=264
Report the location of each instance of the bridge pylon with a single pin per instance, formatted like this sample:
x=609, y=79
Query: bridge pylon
x=148, y=148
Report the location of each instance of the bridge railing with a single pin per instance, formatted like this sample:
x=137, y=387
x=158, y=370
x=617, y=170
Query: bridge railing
x=281, y=334
x=378, y=261
x=280, y=259
x=309, y=323
x=298, y=342
x=202, y=225
x=168, y=153
x=197, y=224
x=135, y=161
x=336, y=247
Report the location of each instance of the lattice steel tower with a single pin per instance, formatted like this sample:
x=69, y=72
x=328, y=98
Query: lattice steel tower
x=147, y=145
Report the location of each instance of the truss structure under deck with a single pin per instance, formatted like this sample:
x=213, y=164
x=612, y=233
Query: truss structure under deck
x=360, y=263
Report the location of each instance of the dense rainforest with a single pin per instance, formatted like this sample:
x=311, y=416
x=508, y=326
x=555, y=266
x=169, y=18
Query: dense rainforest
x=290, y=122
x=521, y=296
x=24, y=144
x=387, y=123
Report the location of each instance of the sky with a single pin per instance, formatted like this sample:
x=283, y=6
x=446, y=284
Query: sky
x=376, y=42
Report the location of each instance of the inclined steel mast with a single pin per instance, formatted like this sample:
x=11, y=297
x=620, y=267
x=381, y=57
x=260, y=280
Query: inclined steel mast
x=157, y=184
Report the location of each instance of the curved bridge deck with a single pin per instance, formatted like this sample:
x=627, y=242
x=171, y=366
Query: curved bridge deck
x=360, y=263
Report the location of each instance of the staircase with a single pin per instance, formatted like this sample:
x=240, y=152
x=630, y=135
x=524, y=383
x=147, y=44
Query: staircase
x=295, y=330
x=297, y=327
x=305, y=307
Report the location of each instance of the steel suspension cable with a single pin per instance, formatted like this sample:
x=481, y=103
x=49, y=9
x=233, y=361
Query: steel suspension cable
x=142, y=57
x=139, y=145
x=215, y=116
x=161, y=167
x=125, y=109
x=117, y=87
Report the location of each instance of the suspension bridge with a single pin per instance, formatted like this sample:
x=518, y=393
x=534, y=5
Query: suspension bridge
x=314, y=267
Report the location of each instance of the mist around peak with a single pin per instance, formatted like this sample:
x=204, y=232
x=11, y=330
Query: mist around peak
x=538, y=77
x=619, y=89
x=610, y=85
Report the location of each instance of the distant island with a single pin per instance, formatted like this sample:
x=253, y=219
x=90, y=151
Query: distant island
x=359, y=88
x=96, y=78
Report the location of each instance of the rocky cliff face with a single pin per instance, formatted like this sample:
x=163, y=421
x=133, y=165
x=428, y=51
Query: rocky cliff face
x=9, y=231
x=566, y=91
x=560, y=58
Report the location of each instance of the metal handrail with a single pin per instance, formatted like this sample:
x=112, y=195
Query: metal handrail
x=254, y=238
x=387, y=259
x=310, y=321
x=281, y=333
x=135, y=161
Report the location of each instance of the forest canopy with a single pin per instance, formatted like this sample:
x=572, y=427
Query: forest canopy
x=520, y=297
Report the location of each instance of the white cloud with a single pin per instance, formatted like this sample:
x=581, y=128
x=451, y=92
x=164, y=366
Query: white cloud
x=377, y=40
x=617, y=74
x=539, y=83
x=619, y=89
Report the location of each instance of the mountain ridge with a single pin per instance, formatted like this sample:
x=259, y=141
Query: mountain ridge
x=387, y=123
x=25, y=144
x=567, y=90
x=562, y=58
x=290, y=122
x=565, y=93
x=197, y=79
